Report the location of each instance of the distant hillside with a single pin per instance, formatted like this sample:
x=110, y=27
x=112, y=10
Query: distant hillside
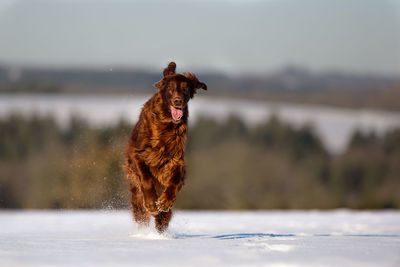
x=292, y=84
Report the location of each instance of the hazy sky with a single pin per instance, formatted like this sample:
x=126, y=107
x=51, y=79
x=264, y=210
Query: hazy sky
x=227, y=35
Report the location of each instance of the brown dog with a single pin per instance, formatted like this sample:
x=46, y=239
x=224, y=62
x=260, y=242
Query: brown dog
x=154, y=157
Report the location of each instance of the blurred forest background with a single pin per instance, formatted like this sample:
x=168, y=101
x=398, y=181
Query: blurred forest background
x=229, y=166
x=324, y=57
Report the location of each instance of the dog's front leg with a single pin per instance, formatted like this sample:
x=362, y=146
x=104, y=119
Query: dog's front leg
x=167, y=198
x=147, y=186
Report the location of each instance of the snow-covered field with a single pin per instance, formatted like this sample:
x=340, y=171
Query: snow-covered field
x=265, y=238
x=334, y=125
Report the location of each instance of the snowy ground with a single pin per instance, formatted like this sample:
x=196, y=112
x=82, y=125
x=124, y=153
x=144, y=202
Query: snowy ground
x=268, y=238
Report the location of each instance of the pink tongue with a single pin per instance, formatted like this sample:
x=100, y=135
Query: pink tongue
x=176, y=113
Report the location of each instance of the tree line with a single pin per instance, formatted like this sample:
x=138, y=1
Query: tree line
x=230, y=165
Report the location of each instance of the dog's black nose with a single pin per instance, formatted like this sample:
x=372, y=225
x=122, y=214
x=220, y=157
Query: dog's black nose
x=178, y=102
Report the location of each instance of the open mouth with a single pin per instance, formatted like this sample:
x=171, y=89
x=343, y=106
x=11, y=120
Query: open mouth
x=177, y=113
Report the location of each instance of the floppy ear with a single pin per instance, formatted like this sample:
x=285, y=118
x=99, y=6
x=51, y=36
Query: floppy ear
x=195, y=82
x=169, y=70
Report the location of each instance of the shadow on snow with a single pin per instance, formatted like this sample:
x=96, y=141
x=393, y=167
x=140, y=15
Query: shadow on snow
x=232, y=236
x=258, y=235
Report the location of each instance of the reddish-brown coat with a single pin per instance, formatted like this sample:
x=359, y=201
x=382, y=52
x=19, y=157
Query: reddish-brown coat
x=154, y=157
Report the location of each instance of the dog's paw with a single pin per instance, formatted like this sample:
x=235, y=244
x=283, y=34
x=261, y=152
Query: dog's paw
x=163, y=204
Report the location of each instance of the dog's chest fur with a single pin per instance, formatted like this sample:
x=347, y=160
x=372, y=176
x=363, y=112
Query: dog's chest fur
x=166, y=150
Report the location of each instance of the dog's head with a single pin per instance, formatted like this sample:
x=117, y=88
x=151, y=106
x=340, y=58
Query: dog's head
x=176, y=90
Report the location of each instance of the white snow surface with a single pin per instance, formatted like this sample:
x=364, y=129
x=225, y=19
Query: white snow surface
x=246, y=238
